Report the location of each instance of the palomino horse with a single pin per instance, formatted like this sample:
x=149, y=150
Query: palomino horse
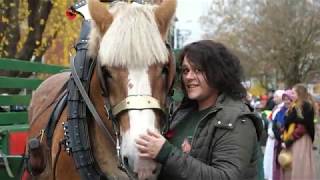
x=133, y=73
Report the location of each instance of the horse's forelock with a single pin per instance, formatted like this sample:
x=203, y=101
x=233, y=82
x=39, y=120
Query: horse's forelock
x=133, y=39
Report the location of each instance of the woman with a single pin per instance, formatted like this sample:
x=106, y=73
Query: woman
x=300, y=116
x=269, y=151
x=213, y=134
x=277, y=129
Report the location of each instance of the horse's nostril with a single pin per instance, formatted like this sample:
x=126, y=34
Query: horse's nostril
x=126, y=161
x=154, y=171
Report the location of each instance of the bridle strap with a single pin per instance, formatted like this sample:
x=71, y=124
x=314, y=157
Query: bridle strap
x=97, y=118
x=101, y=80
x=89, y=104
x=105, y=94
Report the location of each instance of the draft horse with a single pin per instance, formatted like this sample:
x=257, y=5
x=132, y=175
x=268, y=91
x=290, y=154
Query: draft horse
x=83, y=124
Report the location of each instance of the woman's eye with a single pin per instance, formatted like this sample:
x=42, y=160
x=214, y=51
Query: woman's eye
x=197, y=70
x=185, y=71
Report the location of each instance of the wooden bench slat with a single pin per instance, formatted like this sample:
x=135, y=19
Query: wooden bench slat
x=26, y=66
x=15, y=100
x=15, y=127
x=15, y=82
x=7, y=118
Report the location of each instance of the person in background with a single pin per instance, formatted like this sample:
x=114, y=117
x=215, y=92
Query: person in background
x=265, y=116
x=213, y=134
x=270, y=102
x=269, y=151
x=278, y=128
x=300, y=117
x=263, y=103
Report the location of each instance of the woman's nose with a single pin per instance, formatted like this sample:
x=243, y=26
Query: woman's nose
x=190, y=75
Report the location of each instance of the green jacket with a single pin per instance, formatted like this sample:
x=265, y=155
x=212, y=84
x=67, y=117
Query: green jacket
x=225, y=145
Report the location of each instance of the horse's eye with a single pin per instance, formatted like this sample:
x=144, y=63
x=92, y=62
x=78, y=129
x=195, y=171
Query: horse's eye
x=107, y=73
x=165, y=70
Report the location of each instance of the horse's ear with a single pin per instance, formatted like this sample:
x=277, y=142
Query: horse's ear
x=99, y=13
x=164, y=14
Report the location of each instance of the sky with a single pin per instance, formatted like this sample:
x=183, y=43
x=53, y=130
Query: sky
x=188, y=13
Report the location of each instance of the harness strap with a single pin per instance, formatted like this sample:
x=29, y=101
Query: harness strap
x=77, y=139
x=76, y=128
x=105, y=94
x=60, y=105
x=115, y=124
x=89, y=104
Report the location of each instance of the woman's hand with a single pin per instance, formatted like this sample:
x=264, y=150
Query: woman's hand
x=150, y=144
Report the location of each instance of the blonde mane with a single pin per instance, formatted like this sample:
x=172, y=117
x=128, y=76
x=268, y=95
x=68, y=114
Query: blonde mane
x=132, y=40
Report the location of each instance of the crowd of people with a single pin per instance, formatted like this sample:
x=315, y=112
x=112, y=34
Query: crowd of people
x=290, y=122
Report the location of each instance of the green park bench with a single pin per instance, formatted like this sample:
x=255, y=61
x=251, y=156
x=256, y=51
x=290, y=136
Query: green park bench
x=13, y=112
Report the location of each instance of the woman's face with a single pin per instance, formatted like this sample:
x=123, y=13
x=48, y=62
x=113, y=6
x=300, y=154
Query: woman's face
x=287, y=101
x=295, y=94
x=277, y=99
x=195, y=83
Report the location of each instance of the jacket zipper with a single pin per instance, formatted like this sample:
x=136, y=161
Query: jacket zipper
x=197, y=126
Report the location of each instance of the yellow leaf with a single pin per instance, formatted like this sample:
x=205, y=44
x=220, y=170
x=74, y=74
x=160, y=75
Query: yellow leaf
x=42, y=22
x=37, y=42
x=5, y=20
x=12, y=4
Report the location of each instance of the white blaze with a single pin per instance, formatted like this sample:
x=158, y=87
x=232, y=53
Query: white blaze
x=140, y=120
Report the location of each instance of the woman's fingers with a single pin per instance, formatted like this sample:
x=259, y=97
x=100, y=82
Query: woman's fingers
x=153, y=133
x=145, y=155
x=142, y=149
x=146, y=137
x=141, y=141
x=149, y=144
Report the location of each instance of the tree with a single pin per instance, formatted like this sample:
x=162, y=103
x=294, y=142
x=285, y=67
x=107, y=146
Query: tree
x=37, y=13
x=28, y=28
x=275, y=38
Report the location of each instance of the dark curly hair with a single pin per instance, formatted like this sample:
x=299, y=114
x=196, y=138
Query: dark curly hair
x=222, y=69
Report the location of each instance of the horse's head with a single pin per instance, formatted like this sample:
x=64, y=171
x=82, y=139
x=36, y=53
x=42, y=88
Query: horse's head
x=137, y=69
